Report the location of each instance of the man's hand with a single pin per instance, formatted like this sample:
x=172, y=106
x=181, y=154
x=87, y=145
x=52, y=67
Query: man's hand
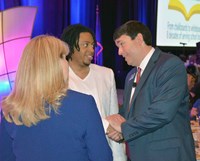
x=114, y=129
x=115, y=121
x=113, y=134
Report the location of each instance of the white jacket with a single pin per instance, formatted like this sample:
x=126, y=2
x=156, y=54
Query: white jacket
x=100, y=83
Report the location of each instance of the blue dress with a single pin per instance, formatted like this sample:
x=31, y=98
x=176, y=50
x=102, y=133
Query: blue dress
x=75, y=134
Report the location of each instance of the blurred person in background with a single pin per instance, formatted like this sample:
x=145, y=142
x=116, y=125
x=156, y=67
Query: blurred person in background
x=191, y=81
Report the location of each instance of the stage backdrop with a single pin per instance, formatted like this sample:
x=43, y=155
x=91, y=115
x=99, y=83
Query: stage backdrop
x=54, y=15
x=16, y=26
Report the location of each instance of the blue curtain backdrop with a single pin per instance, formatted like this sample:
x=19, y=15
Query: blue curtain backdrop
x=54, y=15
x=113, y=14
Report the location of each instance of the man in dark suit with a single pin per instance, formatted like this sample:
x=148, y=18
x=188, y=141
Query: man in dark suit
x=154, y=120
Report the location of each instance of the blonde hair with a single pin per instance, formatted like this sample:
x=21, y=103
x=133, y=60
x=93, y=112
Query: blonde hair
x=39, y=81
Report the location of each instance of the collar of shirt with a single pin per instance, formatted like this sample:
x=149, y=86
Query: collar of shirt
x=146, y=60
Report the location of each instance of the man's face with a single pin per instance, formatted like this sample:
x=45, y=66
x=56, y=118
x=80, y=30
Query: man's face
x=85, y=55
x=191, y=81
x=130, y=49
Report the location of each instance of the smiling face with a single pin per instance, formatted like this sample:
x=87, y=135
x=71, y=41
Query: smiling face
x=130, y=49
x=85, y=55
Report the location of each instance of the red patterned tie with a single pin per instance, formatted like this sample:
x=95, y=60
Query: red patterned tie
x=137, y=80
x=138, y=75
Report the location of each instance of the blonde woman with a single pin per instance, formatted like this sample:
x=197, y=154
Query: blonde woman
x=41, y=119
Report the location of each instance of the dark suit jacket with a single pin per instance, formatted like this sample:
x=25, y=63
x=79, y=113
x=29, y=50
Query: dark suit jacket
x=158, y=126
x=75, y=134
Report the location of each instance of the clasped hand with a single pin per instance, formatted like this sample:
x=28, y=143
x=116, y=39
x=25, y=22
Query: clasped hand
x=114, y=129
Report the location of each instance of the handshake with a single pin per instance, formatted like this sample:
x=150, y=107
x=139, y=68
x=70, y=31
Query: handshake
x=114, y=131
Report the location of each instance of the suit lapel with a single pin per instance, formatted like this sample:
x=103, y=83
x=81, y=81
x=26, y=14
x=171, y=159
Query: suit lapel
x=145, y=74
x=128, y=90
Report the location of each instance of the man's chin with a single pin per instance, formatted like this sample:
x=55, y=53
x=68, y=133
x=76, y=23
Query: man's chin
x=87, y=63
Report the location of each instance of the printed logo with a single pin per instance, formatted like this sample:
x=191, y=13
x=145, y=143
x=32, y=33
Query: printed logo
x=179, y=6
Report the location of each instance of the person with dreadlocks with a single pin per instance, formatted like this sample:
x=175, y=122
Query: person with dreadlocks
x=92, y=79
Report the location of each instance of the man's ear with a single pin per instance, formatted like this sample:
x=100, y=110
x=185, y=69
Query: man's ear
x=139, y=38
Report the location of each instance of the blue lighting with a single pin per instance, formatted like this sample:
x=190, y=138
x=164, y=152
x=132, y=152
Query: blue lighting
x=4, y=88
x=2, y=5
x=78, y=12
x=75, y=11
x=142, y=13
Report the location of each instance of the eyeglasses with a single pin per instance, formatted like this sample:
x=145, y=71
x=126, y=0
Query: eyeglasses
x=87, y=44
